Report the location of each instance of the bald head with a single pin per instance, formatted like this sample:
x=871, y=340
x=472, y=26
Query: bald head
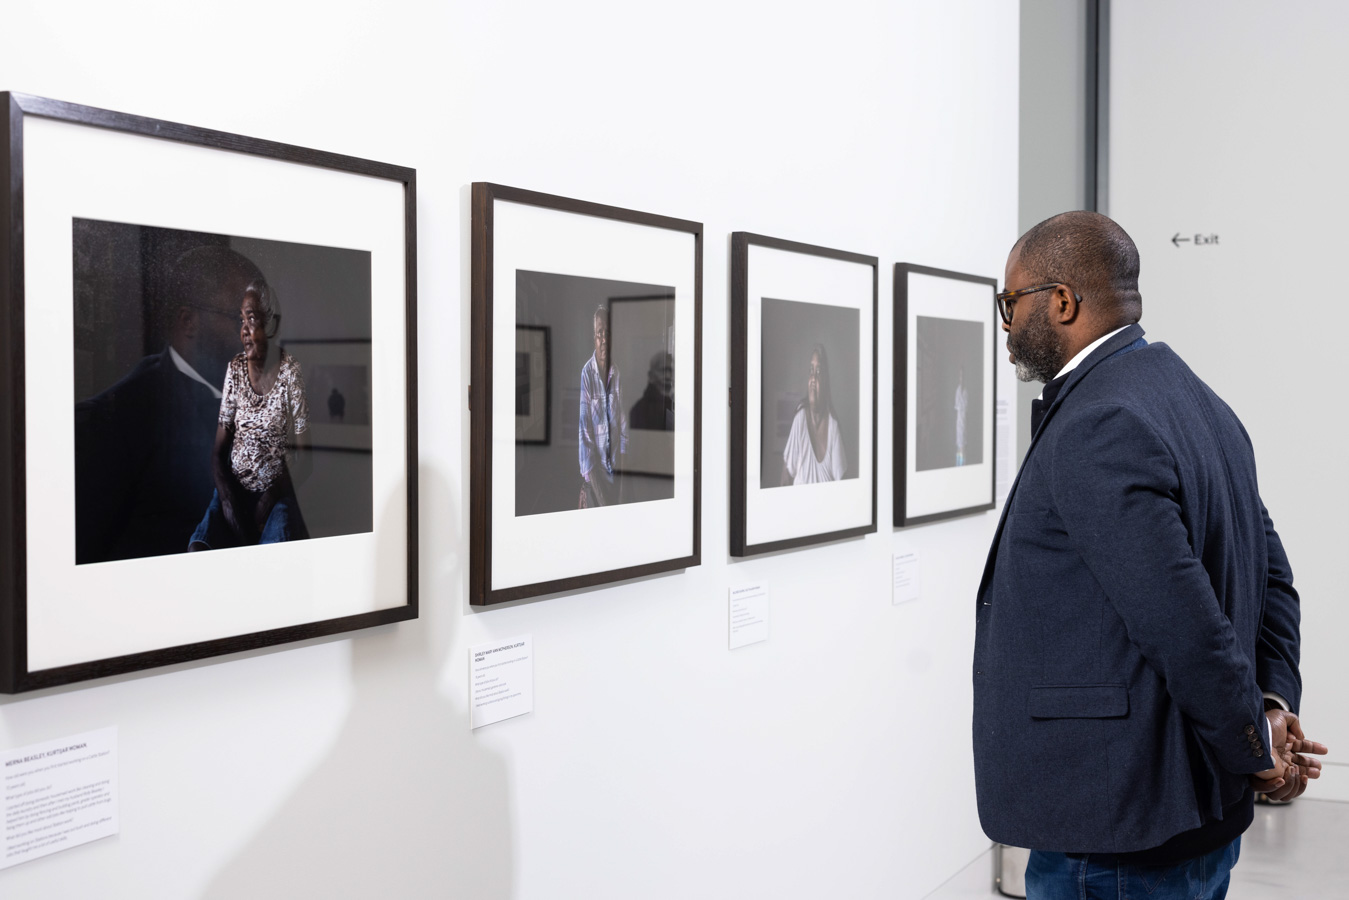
x=1091, y=254
x=200, y=308
x=201, y=273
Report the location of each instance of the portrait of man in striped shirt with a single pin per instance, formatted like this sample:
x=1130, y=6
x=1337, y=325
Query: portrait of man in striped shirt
x=603, y=429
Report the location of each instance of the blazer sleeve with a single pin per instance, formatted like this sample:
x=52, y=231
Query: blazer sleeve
x=1277, y=652
x=1116, y=487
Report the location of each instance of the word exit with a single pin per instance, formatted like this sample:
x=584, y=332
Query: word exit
x=1197, y=239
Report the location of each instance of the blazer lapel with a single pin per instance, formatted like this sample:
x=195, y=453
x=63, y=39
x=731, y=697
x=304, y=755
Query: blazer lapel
x=1097, y=356
x=1103, y=352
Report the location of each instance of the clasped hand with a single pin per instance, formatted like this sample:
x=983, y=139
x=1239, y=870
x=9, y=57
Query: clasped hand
x=1293, y=769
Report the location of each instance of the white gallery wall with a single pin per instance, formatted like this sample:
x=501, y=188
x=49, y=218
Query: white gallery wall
x=1226, y=123
x=832, y=760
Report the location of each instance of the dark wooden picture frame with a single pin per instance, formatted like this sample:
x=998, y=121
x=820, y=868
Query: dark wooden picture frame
x=482, y=394
x=740, y=465
x=900, y=385
x=15, y=451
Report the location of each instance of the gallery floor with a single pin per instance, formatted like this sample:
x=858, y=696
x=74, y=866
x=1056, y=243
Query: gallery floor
x=1289, y=852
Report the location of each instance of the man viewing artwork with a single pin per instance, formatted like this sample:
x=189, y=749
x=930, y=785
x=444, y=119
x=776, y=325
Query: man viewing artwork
x=1137, y=629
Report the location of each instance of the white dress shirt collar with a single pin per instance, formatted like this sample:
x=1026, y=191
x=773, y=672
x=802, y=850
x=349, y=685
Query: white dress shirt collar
x=190, y=372
x=1083, y=354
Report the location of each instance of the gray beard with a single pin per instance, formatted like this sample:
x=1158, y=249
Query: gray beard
x=1038, y=354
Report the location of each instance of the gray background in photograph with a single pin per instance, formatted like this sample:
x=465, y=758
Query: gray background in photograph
x=123, y=302
x=548, y=476
x=944, y=346
x=789, y=329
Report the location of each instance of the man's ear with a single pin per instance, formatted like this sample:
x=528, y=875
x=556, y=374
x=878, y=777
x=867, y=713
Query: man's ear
x=1066, y=307
x=185, y=321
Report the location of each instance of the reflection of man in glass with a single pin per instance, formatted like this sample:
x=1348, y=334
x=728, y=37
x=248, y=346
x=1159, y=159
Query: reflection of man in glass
x=603, y=429
x=143, y=446
x=654, y=410
x=814, y=451
x=962, y=402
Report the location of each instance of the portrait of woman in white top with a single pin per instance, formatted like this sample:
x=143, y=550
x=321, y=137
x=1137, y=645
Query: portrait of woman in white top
x=814, y=451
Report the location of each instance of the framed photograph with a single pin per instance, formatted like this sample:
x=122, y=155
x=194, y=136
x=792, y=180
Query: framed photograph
x=613, y=491
x=533, y=385
x=946, y=328
x=337, y=383
x=803, y=394
x=207, y=408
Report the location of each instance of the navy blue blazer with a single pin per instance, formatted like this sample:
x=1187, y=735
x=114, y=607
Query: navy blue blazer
x=143, y=463
x=1135, y=602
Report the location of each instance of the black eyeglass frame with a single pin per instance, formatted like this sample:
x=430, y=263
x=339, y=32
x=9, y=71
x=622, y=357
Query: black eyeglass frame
x=1005, y=299
x=232, y=316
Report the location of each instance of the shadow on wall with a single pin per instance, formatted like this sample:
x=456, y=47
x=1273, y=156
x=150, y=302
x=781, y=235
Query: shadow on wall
x=408, y=803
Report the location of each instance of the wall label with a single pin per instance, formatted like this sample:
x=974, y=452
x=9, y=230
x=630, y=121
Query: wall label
x=748, y=615
x=58, y=795
x=501, y=680
x=907, y=585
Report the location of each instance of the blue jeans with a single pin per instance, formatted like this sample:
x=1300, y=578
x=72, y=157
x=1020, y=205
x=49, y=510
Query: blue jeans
x=284, y=523
x=1057, y=876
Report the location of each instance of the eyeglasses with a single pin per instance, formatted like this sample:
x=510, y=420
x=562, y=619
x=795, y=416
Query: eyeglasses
x=1007, y=298
x=210, y=309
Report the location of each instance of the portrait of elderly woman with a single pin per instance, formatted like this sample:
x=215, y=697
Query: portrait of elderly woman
x=182, y=441
x=263, y=411
x=814, y=451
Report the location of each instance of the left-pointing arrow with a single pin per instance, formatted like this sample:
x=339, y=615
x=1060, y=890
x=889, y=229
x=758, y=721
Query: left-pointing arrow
x=1176, y=239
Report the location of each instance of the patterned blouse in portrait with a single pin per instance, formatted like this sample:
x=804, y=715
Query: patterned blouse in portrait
x=262, y=423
